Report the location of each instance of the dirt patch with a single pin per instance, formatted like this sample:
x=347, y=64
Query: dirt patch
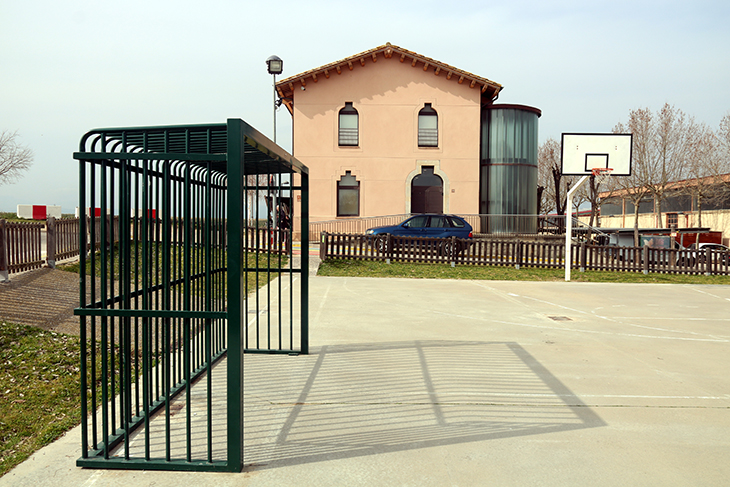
x=44, y=298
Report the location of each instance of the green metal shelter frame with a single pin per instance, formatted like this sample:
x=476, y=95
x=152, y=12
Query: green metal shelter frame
x=187, y=264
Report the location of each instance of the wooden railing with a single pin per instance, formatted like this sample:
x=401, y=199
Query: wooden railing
x=522, y=253
x=21, y=243
x=62, y=239
x=20, y=247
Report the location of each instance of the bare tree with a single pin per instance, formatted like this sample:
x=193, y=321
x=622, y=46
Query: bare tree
x=256, y=186
x=703, y=169
x=14, y=158
x=723, y=148
x=550, y=177
x=670, y=145
x=635, y=188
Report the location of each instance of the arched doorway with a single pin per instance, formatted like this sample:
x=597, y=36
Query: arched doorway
x=427, y=192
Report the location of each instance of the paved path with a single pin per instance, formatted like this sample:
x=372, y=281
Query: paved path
x=436, y=382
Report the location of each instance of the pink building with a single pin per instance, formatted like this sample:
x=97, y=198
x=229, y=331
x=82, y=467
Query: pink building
x=389, y=131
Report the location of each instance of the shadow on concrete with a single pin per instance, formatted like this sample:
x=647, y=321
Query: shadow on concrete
x=354, y=400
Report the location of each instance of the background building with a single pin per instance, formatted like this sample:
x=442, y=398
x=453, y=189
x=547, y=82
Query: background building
x=691, y=203
x=389, y=131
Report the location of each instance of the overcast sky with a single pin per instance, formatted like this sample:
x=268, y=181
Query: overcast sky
x=67, y=67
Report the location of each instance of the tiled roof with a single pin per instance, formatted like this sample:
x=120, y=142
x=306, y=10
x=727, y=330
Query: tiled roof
x=674, y=185
x=285, y=88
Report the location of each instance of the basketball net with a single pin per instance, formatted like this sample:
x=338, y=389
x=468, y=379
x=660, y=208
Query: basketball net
x=600, y=174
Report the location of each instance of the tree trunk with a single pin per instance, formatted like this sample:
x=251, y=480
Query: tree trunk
x=636, y=225
x=699, y=211
x=559, y=207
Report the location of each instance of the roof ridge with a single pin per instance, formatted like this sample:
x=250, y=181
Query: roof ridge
x=286, y=86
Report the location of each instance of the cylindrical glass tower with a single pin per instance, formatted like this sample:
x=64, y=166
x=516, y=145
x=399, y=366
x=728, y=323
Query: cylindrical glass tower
x=508, y=175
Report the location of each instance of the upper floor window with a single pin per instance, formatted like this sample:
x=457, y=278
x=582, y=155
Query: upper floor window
x=428, y=123
x=348, y=134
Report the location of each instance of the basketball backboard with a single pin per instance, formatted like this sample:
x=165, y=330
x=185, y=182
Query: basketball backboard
x=581, y=153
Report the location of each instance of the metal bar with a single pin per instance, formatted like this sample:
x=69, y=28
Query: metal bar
x=236, y=176
x=104, y=323
x=208, y=307
x=304, y=306
x=186, y=306
x=82, y=321
x=150, y=156
x=166, y=215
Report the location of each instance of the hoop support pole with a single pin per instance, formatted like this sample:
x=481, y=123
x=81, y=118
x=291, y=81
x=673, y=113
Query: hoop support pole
x=569, y=226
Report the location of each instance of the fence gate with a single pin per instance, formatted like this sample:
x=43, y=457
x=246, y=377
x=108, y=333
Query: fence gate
x=197, y=269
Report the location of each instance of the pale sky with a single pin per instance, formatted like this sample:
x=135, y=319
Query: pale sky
x=67, y=67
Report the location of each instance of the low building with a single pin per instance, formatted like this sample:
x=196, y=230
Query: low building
x=691, y=203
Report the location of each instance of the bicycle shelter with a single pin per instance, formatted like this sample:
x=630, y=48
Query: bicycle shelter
x=192, y=264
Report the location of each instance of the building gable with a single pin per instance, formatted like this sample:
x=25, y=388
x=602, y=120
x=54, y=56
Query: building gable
x=287, y=87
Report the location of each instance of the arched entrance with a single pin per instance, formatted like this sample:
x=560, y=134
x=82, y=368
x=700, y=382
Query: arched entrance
x=427, y=192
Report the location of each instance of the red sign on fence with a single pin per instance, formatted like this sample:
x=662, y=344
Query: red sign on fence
x=39, y=212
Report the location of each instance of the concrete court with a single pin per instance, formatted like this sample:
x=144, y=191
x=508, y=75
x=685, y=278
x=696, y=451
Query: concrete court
x=463, y=383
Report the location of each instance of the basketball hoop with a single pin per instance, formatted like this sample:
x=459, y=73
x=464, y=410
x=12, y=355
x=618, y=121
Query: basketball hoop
x=600, y=174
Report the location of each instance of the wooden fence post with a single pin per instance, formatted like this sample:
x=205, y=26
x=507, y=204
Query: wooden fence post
x=4, y=274
x=322, y=246
x=388, y=247
x=51, y=242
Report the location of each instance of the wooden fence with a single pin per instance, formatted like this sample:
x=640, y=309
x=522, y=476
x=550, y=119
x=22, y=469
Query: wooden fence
x=21, y=243
x=522, y=253
x=20, y=247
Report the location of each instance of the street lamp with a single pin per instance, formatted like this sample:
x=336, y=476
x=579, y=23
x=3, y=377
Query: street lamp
x=275, y=66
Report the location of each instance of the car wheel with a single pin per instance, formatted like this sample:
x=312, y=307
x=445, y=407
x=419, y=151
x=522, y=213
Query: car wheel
x=381, y=243
x=447, y=249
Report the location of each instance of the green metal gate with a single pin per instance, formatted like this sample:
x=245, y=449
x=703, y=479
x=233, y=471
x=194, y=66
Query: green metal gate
x=189, y=262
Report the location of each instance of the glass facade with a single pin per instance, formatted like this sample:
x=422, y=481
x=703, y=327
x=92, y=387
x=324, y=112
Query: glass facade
x=508, y=173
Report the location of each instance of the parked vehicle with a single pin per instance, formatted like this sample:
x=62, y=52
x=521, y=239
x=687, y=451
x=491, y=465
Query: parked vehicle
x=425, y=225
x=720, y=254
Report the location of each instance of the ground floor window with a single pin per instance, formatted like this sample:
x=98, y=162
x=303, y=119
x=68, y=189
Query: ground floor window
x=348, y=195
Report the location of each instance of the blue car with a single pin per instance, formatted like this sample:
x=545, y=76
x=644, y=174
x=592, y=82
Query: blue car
x=425, y=225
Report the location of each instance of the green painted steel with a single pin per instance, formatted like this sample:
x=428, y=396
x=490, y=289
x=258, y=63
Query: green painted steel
x=189, y=232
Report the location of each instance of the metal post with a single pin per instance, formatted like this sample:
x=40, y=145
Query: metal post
x=274, y=75
x=569, y=226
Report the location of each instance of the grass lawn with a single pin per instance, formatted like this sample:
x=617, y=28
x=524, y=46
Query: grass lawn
x=39, y=390
x=371, y=268
x=39, y=378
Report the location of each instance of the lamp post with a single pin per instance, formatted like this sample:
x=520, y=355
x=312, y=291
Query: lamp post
x=275, y=66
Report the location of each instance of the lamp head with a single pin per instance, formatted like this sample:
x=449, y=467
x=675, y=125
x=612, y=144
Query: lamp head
x=274, y=65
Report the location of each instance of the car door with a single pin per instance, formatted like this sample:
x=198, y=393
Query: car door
x=438, y=227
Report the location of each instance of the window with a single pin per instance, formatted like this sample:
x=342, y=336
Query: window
x=428, y=123
x=673, y=220
x=348, y=135
x=455, y=222
x=439, y=222
x=348, y=195
x=417, y=222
